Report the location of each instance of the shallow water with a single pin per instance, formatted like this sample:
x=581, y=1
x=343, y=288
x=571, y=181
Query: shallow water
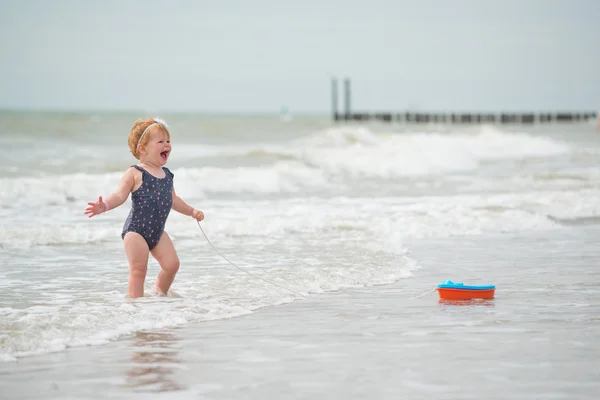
x=314, y=207
x=536, y=340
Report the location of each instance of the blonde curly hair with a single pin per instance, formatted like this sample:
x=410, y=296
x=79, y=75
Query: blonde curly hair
x=138, y=129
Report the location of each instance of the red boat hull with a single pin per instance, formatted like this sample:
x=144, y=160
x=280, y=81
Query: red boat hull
x=465, y=294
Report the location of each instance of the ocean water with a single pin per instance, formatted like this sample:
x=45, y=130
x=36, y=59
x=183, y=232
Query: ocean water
x=314, y=207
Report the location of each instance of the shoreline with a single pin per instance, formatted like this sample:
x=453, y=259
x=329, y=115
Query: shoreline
x=536, y=339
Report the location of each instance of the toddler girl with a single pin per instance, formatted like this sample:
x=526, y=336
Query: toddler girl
x=153, y=196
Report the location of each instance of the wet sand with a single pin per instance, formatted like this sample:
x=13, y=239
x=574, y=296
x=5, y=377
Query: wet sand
x=538, y=339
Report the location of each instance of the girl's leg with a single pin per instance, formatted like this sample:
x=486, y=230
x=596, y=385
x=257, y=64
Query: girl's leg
x=137, y=251
x=165, y=254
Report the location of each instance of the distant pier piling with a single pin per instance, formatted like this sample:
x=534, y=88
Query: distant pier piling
x=347, y=95
x=334, y=99
x=451, y=117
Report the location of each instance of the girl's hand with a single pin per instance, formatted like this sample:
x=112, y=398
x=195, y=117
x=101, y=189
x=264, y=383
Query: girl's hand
x=197, y=215
x=96, y=208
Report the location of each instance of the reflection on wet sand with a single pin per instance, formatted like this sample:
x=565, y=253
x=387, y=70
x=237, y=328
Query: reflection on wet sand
x=155, y=357
x=471, y=302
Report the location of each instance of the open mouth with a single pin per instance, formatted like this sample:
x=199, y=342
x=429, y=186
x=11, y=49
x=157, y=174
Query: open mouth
x=164, y=155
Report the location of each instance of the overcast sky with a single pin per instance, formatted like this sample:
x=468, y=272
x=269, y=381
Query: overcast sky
x=260, y=55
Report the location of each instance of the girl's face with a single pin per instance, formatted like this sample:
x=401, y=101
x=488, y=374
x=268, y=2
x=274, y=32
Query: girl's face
x=158, y=148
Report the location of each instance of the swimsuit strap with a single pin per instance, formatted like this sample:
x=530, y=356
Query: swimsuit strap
x=165, y=169
x=168, y=172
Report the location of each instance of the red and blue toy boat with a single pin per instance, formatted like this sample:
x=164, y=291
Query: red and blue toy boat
x=449, y=290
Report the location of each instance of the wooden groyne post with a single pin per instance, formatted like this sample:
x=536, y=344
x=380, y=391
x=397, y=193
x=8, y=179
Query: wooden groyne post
x=451, y=117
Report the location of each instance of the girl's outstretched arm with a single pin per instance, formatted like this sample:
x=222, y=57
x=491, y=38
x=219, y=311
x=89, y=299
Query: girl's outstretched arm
x=115, y=199
x=184, y=208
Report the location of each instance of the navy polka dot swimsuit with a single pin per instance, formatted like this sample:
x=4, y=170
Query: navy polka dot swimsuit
x=151, y=204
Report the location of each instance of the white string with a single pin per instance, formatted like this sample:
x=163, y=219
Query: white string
x=421, y=295
x=243, y=270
